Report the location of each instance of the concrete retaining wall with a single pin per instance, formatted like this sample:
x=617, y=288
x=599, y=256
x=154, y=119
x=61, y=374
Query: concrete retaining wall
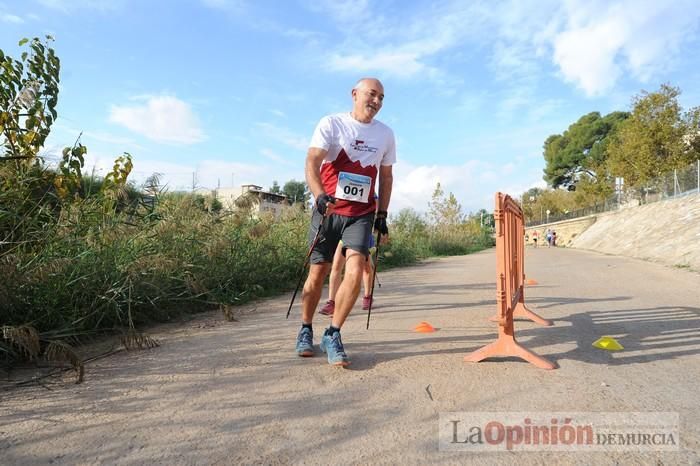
x=567, y=230
x=667, y=232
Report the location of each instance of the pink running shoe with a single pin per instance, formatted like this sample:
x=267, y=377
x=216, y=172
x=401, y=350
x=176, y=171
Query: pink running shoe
x=328, y=309
x=366, y=300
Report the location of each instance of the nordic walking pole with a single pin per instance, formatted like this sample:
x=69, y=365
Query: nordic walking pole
x=374, y=277
x=306, y=262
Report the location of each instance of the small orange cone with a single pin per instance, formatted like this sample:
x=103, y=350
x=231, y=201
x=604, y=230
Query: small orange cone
x=424, y=327
x=530, y=281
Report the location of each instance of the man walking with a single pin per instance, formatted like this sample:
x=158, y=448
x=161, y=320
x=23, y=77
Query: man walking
x=349, y=155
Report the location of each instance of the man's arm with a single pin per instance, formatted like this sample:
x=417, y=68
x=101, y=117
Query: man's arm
x=314, y=159
x=386, y=181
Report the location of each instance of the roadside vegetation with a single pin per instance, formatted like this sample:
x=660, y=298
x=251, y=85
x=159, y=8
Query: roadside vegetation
x=81, y=256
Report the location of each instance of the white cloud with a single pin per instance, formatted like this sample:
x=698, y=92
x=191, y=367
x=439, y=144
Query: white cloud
x=592, y=43
x=9, y=18
x=223, y=4
x=399, y=46
x=414, y=185
x=600, y=42
x=398, y=63
x=275, y=157
x=298, y=33
x=284, y=135
x=593, y=72
x=215, y=3
x=162, y=119
x=242, y=11
x=206, y=174
x=343, y=11
x=94, y=135
x=484, y=171
x=214, y=172
x=67, y=6
x=211, y=172
x=106, y=137
x=278, y=113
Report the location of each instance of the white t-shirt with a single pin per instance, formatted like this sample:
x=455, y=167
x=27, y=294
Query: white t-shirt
x=355, y=152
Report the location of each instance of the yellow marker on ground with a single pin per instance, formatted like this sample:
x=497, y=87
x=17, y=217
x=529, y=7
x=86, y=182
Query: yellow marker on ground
x=608, y=343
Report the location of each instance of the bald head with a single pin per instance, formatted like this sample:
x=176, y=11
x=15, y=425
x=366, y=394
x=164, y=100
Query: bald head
x=365, y=82
x=367, y=98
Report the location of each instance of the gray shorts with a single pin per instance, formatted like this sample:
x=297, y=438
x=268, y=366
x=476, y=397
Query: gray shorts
x=354, y=231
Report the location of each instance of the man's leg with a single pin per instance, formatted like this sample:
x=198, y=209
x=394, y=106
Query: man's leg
x=349, y=287
x=336, y=276
x=313, y=287
x=309, y=301
x=354, y=235
x=345, y=300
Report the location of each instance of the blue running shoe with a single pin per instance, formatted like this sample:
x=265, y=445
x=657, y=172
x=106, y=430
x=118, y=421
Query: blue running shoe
x=333, y=345
x=305, y=342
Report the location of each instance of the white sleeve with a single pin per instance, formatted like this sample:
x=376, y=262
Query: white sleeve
x=389, y=157
x=323, y=134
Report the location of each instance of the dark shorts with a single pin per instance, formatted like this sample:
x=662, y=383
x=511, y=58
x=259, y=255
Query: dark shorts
x=353, y=231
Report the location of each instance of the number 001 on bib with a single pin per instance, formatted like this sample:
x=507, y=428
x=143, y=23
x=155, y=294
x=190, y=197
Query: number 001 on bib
x=353, y=187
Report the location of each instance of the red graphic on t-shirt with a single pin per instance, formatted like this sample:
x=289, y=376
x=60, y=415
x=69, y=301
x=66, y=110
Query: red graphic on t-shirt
x=329, y=178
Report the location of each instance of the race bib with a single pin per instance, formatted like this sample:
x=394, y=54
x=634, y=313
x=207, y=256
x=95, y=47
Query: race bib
x=353, y=187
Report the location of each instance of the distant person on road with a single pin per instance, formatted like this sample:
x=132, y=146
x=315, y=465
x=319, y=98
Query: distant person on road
x=554, y=238
x=535, y=235
x=548, y=237
x=347, y=154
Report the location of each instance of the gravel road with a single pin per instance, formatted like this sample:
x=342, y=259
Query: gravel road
x=218, y=392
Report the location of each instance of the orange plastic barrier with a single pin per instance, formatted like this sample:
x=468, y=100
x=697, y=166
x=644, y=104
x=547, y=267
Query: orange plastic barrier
x=510, y=255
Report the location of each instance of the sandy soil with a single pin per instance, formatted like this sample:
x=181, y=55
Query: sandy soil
x=220, y=392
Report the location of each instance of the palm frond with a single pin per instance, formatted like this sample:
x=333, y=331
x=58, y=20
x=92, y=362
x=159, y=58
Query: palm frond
x=25, y=338
x=58, y=351
x=228, y=312
x=135, y=340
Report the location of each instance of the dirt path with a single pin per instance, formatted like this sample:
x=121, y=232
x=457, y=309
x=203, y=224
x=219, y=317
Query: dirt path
x=220, y=392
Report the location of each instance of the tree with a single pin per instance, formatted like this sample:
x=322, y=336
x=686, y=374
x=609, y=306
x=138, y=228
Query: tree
x=28, y=99
x=580, y=150
x=296, y=191
x=485, y=218
x=536, y=202
x=656, y=139
x=409, y=222
x=530, y=204
x=275, y=189
x=593, y=191
x=444, y=211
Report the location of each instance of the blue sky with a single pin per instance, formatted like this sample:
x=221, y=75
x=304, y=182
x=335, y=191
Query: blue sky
x=232, y=89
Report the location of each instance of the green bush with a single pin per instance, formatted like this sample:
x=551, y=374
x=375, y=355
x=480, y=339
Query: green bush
x=412, y=239
x=102, y=271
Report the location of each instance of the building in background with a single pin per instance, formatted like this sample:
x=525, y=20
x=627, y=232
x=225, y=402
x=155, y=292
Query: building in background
x=253, y=197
